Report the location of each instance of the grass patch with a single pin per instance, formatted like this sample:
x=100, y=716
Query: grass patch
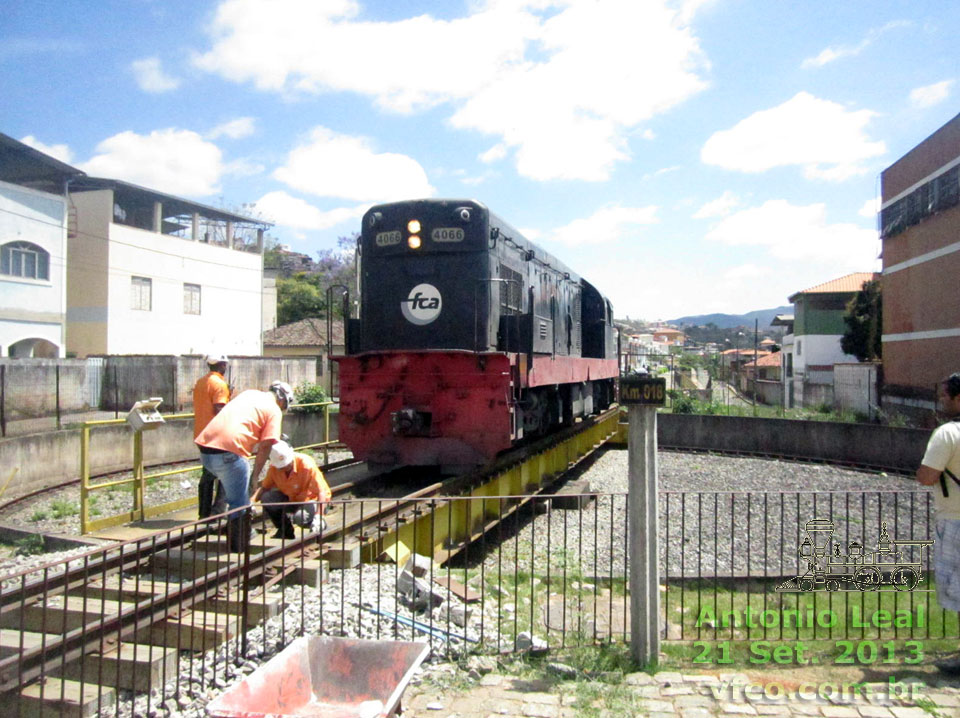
x=29, y=545
x=61, y=509
x=39, y=515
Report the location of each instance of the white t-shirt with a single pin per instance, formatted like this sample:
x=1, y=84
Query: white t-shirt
x=943, y=451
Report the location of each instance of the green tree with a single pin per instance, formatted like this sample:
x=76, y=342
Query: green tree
x=304, y=295
x=271, y=253
x=298, y=298
x=337, y=267
x=864, y=320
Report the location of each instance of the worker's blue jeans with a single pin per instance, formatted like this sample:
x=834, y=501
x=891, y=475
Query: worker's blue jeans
x=234, y=473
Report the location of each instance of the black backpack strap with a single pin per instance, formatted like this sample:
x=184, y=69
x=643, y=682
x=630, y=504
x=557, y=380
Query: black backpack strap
x=943, y=481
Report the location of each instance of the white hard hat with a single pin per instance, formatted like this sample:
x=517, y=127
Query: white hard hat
x=215, y=358
x=283, y=391
x=281, y=454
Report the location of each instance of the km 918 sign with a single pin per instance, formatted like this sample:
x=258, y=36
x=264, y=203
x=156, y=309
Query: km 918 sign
x=643, y=390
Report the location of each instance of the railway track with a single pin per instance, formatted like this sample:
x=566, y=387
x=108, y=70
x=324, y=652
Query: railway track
x=117, y=619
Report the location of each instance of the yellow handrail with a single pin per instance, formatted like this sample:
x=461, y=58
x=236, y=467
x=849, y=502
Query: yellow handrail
x=140, y=477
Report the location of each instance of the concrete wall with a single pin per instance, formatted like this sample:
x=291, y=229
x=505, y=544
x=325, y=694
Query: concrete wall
x=30, y=387
x=768, y=392
x=43, y=460
x=866, y=444
x=33, y=308
x=173, y=378
x=855, y=388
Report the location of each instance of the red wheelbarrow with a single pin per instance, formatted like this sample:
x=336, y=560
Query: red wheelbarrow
x=325, y=677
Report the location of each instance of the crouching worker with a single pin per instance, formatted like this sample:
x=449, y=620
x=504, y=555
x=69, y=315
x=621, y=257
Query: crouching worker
x=293, y=479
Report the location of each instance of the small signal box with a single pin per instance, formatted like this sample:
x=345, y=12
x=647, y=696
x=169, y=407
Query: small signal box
x=643, y=390
x=145, y=414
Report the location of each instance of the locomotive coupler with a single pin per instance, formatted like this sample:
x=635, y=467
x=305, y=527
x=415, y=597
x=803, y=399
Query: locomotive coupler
x=410, y=422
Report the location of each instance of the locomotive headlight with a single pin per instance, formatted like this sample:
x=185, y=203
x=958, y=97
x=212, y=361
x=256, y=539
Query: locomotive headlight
x=413, y=242
x=413, y=226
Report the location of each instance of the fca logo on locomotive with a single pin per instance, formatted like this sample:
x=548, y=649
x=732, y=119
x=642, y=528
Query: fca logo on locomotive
x=422, y=305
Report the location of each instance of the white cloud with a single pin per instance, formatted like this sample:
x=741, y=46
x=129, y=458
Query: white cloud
x=59, y=152
x=719, y=207
x=539, y=58
x=823, y=137
x=837, y=52
x=800, y=233
x=290, y=211
x=234, y=129
x=334, y=165
x=176, y=161
x=151, y=77
x=930, y=95
x=662, y=171
x=869, y=209
x=494, y=154
x=607, y=224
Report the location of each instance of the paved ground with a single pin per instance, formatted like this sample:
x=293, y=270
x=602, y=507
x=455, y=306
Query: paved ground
x=676, y=695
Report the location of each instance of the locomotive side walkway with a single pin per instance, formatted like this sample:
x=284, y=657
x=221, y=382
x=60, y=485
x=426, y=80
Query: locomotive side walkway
x=670, y=694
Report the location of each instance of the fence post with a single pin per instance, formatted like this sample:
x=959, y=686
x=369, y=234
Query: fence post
x=3, y=399
x=326, y=434
x=116, y=394
x=57, y=374
x=139, y=484
x=642, y=396
x=84, y=478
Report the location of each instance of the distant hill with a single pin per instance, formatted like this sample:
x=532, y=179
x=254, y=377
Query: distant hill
x=728, y=321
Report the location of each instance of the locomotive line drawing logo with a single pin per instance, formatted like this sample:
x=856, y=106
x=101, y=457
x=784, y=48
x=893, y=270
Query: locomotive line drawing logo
x=894, y=565
x=422, y=305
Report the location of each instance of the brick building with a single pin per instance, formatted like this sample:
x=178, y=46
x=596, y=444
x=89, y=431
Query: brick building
x=920, y=230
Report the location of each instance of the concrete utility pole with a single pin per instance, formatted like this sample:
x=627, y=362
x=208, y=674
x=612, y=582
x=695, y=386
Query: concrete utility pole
x=642, y=395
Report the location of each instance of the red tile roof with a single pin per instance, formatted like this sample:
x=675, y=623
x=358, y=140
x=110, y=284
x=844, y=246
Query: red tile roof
x=848, y=283
x=304, y=333
x=771, y=359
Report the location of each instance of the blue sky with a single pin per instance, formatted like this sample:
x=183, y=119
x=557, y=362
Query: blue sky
x=686, y=156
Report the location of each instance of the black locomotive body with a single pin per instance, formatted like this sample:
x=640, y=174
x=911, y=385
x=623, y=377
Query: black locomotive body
x=469, y=338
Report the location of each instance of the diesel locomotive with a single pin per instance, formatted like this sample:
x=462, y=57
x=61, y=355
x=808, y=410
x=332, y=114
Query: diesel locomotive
x=469, y=339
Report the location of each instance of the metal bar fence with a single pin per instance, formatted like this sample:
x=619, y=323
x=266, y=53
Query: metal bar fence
x=174, y=617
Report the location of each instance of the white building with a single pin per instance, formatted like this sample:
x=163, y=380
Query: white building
x=33, y=249
x=151, y=273
x=811, y=347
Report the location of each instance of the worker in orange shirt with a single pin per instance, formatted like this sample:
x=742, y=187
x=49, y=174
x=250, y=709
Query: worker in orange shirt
x=210, y=394
x=249, y=424
x=295, y=481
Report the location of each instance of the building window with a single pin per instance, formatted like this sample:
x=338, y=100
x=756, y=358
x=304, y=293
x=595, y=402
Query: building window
x=23, y=259
x=191, y=298
x=141, y=291
x=799, y=348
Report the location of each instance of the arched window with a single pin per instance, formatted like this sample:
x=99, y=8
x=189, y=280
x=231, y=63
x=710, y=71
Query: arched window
x=23, y=259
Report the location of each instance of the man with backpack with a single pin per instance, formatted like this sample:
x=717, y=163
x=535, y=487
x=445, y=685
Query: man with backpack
x=940, y=468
